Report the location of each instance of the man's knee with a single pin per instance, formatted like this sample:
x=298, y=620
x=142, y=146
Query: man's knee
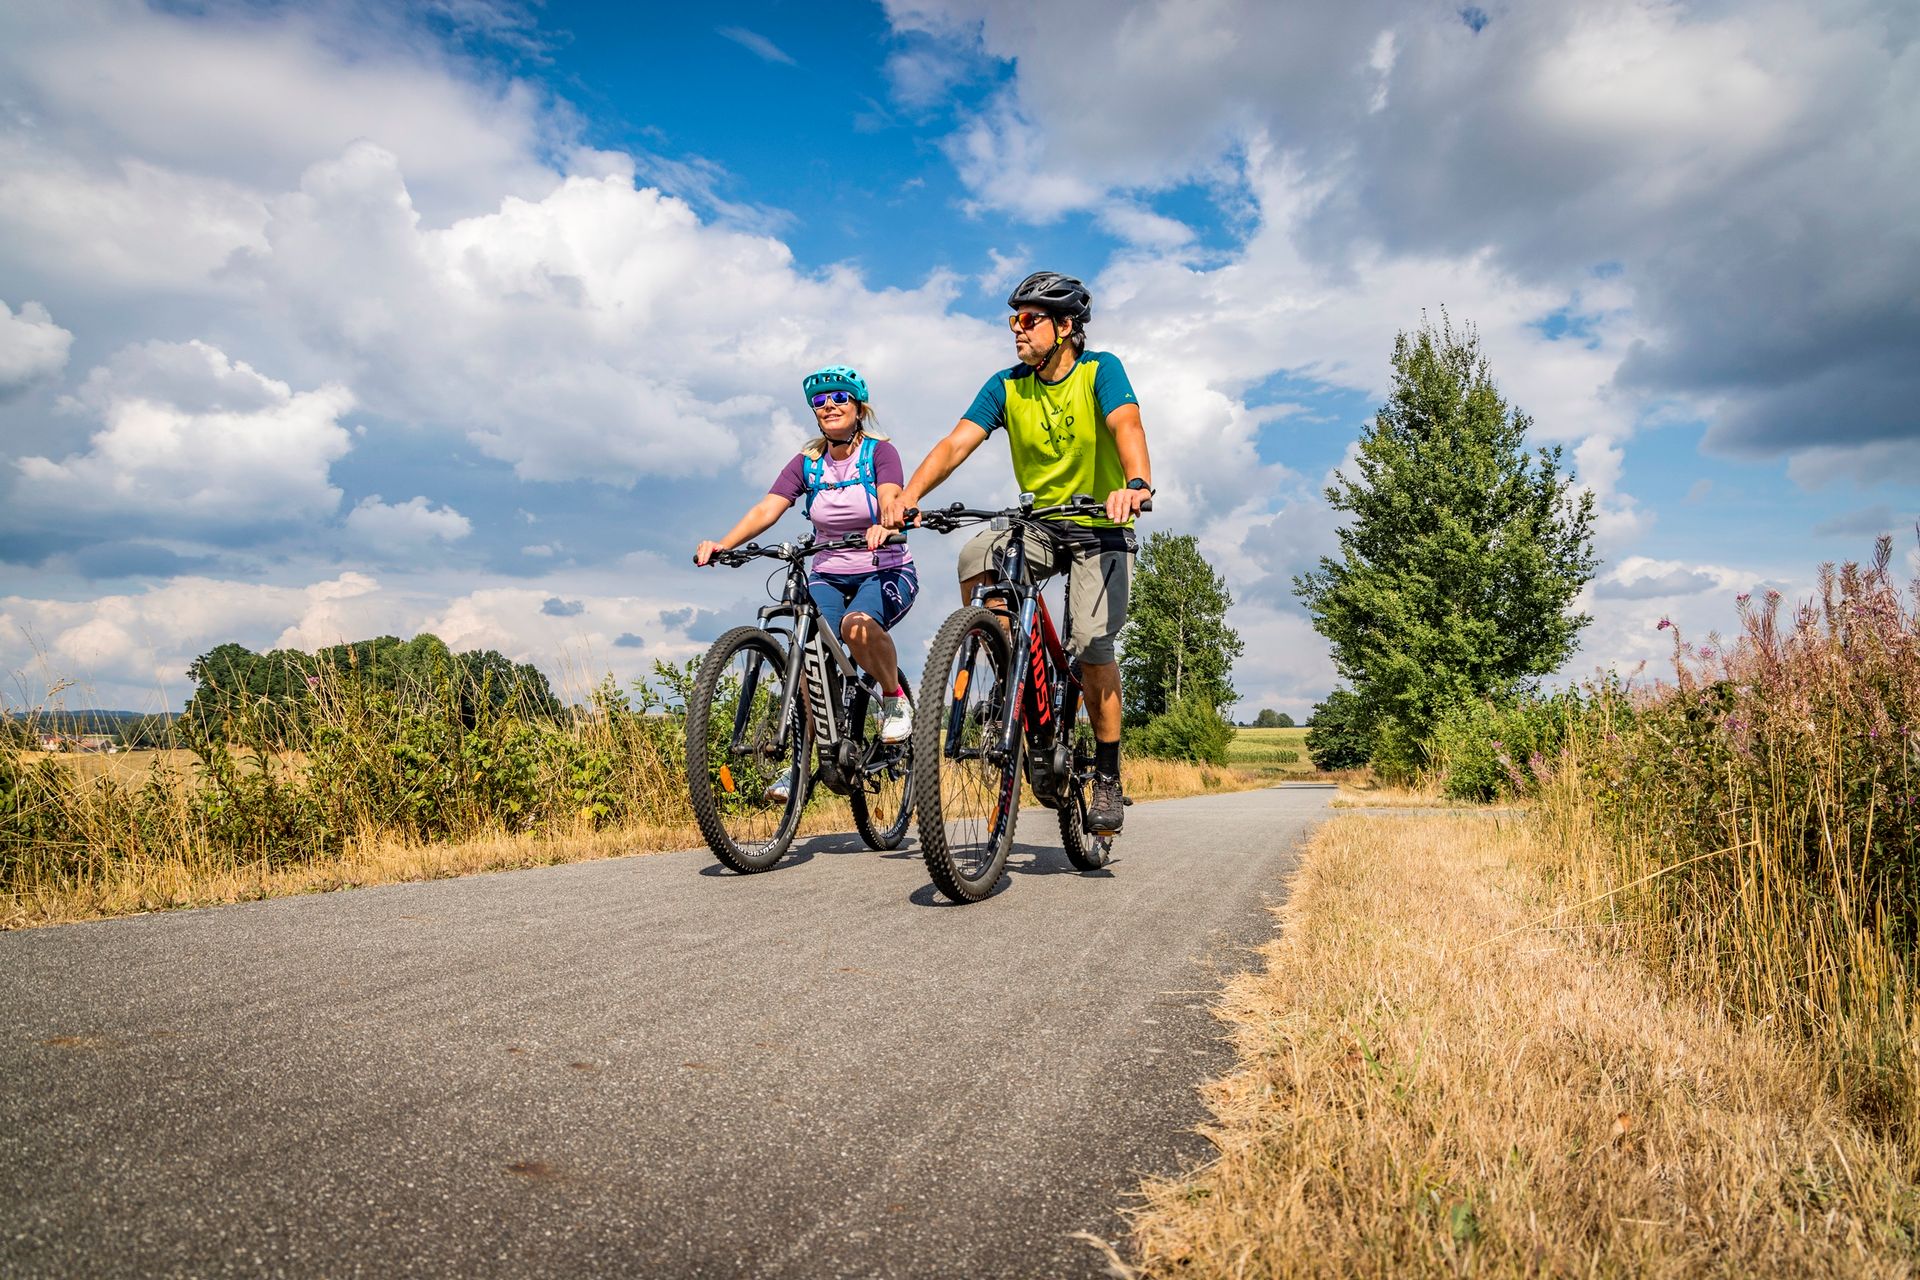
x=1097, y=651
x=970, y=585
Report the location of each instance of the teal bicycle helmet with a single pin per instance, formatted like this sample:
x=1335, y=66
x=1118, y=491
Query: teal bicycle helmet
x=835, y=377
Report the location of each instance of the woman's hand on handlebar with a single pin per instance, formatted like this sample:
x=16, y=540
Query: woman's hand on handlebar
x=704, y=552
x=877, y=535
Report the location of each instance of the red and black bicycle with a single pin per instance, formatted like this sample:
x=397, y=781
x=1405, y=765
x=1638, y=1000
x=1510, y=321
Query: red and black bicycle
x=1013, y=708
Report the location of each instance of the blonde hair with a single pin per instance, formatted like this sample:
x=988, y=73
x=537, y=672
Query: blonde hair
x=868, y=425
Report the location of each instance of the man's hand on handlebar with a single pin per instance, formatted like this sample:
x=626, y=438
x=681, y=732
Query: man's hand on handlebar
x=1124, y=504
x=893, y=510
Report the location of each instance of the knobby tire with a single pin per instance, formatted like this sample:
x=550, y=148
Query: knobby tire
x=968, y=808
x=744, y=832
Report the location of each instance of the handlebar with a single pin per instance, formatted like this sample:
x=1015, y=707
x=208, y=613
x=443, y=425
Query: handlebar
x=734, y=557
x=946, y=519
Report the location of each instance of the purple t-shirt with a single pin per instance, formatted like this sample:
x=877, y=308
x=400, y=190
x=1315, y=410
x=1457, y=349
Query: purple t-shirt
x=837, y=512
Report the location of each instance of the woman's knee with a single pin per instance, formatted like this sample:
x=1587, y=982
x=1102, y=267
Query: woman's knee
x=858, y=628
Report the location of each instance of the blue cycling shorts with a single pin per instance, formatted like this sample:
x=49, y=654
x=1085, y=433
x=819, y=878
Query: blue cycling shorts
x=884, y=594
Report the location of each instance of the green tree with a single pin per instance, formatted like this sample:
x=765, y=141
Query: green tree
x=1463, y=554
x=1176, y=645
x=1271, y=719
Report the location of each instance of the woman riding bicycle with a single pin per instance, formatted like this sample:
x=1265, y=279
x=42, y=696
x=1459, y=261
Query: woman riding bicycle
x=844, y=475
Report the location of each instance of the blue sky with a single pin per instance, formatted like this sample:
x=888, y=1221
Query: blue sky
x=329, y=320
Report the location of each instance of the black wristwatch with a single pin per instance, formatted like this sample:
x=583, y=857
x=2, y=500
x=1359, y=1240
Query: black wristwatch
x=1138, y=483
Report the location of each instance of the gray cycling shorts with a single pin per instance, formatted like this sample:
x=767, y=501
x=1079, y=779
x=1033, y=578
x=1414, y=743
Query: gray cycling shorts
x=1099, y=569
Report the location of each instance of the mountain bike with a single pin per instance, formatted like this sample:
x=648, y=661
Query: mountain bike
x=1008, y=705
x=765, y=697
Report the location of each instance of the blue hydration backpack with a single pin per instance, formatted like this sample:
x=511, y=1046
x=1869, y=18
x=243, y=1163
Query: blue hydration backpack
x=817, y=482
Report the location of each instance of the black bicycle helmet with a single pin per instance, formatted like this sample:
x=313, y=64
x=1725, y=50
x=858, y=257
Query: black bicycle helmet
x=1050, y=291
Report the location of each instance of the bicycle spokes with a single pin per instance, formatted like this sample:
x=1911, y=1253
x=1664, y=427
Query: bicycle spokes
x=749, y=783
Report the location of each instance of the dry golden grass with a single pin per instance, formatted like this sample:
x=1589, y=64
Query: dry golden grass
x=1432, y=1083
x=1367, y=793
x=132, y=887
x=129, y=885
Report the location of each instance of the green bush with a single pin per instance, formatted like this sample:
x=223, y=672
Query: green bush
x=1337, y=736
x=1192, y=729
x=1397, y=755
x=1488, y=750
x=1467, y=753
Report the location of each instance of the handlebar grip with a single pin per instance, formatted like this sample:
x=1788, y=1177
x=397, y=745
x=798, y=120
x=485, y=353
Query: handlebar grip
x=895, y=540
x=1147, y=505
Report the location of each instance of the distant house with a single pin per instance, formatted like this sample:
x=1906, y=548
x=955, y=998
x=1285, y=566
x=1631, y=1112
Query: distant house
x=97, y=742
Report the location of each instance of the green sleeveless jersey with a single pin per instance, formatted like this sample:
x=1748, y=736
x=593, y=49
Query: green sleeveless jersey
x=1057, y=431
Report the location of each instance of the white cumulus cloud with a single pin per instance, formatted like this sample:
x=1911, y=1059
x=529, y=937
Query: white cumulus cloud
x=603, y=332
x=193, y=437
x=32, y=347
x=400, y=526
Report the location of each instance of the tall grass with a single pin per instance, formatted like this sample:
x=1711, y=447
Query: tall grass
x=432, y=762
x=1755, y=826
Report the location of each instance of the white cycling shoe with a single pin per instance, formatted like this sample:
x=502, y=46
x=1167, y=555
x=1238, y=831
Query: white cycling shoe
x=898, y=725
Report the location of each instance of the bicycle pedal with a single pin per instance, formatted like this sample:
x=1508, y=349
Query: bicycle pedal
x=1126, y=800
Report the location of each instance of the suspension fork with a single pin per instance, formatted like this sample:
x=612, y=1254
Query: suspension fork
x=795, y=673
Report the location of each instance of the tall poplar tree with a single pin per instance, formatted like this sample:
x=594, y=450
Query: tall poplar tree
x=1464, y=552
x=1176, y=645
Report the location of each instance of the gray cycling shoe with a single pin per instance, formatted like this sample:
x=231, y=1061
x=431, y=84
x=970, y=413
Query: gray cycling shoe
x=778, y=790
x=1108, y=809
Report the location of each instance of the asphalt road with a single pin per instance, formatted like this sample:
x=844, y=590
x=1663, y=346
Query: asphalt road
x=644, y=1066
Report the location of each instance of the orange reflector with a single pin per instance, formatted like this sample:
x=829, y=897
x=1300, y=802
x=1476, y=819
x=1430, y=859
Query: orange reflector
x=960, y=685
x=726, y=780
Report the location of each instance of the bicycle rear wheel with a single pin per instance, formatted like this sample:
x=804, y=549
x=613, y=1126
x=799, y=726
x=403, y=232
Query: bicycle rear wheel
x=1085, y=850
x=735, y=756
x=882, y=800
x=968, y=803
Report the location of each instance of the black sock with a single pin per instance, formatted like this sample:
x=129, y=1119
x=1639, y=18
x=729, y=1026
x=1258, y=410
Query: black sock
x=1106, y=758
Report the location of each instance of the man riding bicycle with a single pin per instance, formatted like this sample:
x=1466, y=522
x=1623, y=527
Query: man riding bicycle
x=1073, y=426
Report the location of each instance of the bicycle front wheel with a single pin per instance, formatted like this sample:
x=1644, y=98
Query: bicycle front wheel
x=969, y=802
x=882, y=798
x=747, y=774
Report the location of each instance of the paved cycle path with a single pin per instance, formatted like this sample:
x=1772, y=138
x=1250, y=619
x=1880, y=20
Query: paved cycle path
x=644, y=1066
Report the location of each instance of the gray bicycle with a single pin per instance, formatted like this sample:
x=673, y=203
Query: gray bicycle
x=778, y=706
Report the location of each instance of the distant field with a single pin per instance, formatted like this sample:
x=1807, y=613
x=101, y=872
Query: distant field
x=1260, y=749
x=127, y=766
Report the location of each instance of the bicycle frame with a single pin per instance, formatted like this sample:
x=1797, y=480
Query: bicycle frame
x=810, y=648
x=1046, y=692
